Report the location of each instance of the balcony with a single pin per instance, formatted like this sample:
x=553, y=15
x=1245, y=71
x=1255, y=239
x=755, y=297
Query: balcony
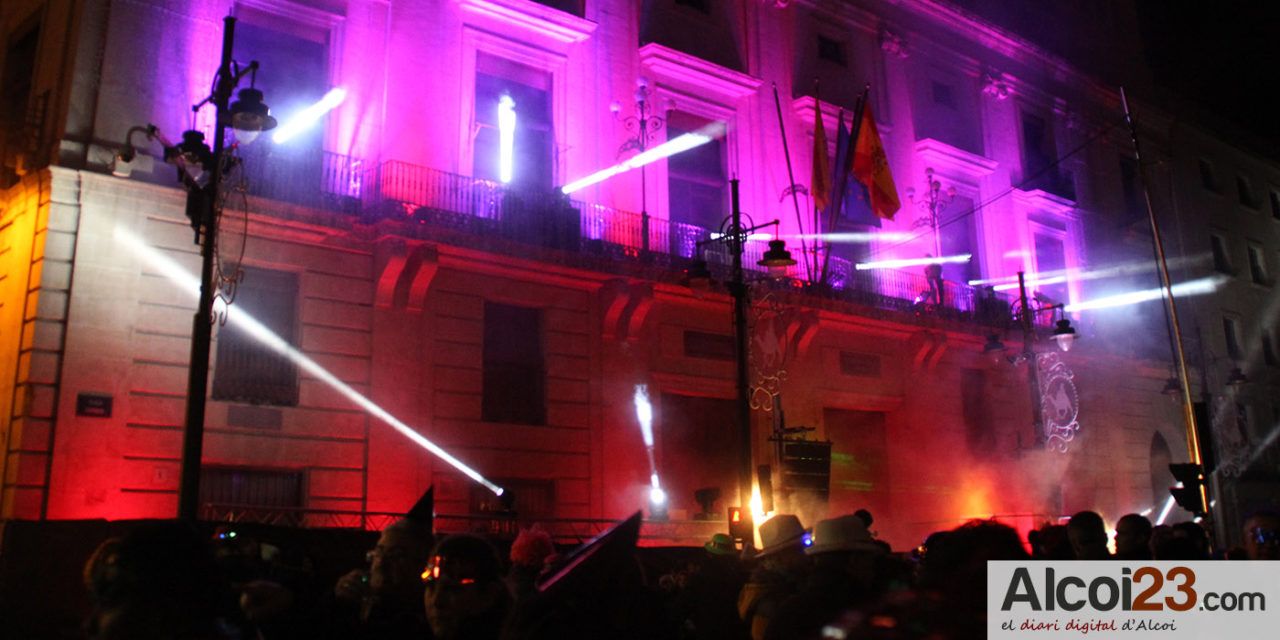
x=486, y=214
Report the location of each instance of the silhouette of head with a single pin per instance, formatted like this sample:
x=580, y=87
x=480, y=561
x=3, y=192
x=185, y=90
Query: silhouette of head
x=1088, y=535
x=464, y=592
x=1133, y=536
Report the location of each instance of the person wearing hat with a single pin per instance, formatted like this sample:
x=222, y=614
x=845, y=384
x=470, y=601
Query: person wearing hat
x=845, y=566
x=707, y=605
x=781, y=569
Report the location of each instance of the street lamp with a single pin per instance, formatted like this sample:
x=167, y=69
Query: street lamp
x=934, y=202
x=645, y=125
x=200, y=170
x=1064, y=336
x=733, y=234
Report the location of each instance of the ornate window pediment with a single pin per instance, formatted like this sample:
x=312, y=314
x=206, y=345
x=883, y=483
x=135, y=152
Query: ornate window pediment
x=540, y=22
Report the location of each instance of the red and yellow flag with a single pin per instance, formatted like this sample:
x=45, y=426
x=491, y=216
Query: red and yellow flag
x=820, y=183
x=871, y=168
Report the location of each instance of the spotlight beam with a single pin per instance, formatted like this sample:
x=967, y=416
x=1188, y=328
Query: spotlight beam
x=1190, y=288
x=644, y=416
x=303, y=120
x=665, y=150
x=190, y=284
x=912, y=262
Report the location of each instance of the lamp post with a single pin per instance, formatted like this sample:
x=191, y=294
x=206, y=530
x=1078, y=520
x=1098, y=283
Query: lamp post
x=1063, y=334
x=734, y=234
x=935, y=201
x=250, y=116
x=644, y=124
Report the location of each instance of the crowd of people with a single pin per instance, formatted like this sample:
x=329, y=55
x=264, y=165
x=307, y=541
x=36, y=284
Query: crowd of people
x=165, y=580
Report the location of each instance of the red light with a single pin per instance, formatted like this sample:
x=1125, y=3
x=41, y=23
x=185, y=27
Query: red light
x=736, y=514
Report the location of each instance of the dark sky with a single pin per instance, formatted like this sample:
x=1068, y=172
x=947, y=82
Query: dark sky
x=1223, y=56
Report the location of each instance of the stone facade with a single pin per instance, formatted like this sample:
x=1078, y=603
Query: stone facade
x=402, y=256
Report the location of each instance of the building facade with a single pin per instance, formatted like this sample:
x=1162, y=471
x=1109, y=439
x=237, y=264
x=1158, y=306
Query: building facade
x=415, y=250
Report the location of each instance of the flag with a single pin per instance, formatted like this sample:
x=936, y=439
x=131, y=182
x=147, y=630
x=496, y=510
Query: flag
x=850, y=199
x=871, y=168
x=820, y=185
x=840, y=171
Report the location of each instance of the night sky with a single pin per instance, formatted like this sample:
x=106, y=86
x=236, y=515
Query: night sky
x=1223, y=57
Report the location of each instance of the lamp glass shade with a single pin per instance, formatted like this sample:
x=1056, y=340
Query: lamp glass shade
x=1064, y=335
x=994, y=349
x=250, y=116
x=777, y=259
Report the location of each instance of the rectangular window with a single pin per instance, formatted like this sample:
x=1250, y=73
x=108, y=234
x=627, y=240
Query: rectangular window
x=943, y=95
x=859, y=364
x=514, y=367
x=960, y=235
x=832, y=50
x=246, y=370
x=530, y=499
x=1231, y=334
x=1221, y=257
x=251, y=487
x=703, y=6
x=1040, y=157
x=1208, y=179
x=293, y=73
x=1245, y=191
x=572, y=7
x=709, y=346
x=1269, y=350
x=1131, y=190
x=16, y=82
x=527, y=92
x=1258, y=265
x=1051, y=260
x=696, y=181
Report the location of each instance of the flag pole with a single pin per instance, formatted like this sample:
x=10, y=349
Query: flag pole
x=1188, y=411
x=842, y=173
x=791, y=176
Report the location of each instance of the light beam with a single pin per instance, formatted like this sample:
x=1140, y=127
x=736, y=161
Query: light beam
x=506, y=138
x=1164, y=513
x=303, y=120
x=1190, y=288
x=912, y=262
x=665, y=150
x=644, y=416
x=189, y=284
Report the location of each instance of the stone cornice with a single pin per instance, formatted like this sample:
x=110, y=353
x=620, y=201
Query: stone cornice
x=542, y=21
x=1043, y=201
x=954, y=164
x=713, y=81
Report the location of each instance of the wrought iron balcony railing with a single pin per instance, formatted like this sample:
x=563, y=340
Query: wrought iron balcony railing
x=399, y=190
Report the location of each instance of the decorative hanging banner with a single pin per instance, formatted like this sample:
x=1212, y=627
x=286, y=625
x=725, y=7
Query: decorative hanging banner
x=1059, y=401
